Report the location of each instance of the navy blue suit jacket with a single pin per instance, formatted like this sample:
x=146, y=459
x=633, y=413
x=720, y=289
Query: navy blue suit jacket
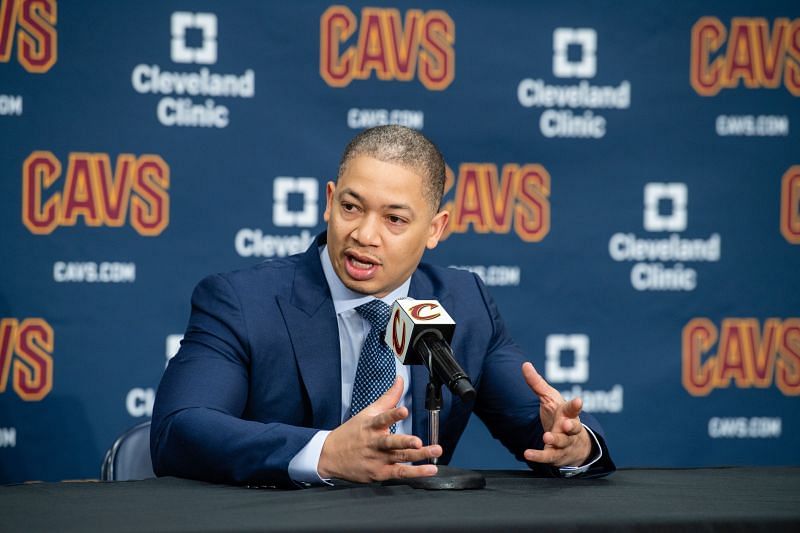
x=258, y=373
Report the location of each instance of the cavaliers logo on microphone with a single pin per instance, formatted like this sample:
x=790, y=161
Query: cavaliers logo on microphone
x=399, y=344
x=409, y=317
x=418, y=310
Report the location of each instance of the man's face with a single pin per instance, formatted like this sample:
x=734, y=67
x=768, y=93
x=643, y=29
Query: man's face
x=379, y=224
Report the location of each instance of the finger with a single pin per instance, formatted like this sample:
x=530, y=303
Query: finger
x=391, y=397
x=556, y=440
x=571, y=426
x=385, y=419
x=397, y=442
x=573, y=408
x=401, y=471
x=411, y=456
x=546, y=456
x=537, y=383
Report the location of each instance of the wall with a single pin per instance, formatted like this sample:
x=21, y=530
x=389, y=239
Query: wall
x=624, y=175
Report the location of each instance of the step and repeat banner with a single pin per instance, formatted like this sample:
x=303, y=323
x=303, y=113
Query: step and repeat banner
x=624, y=176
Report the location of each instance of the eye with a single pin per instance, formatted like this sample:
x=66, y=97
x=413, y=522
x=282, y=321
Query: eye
x=347, y=207
x=396, y=220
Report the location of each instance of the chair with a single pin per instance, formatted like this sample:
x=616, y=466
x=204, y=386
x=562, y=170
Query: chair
x=129, y=457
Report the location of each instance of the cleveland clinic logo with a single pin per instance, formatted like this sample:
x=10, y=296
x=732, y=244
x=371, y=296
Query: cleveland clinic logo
x=190, y=98
x=295, y=204
x=182, y=24
x=585, y=40
x=676, y=198
x=570, y=109
x=568, y=362
x=660, y=262
x=305, y=193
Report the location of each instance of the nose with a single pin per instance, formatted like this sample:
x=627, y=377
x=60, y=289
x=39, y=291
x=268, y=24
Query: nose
x=367, y=232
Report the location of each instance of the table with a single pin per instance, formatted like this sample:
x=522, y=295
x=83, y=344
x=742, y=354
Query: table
x=741, y=499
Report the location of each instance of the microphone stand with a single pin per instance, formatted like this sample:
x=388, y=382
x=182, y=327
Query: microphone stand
x=447, y=478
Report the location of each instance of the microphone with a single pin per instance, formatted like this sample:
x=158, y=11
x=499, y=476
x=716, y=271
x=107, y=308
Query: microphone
x=420, y=332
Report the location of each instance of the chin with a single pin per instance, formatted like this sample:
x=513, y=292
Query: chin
x=359, y=287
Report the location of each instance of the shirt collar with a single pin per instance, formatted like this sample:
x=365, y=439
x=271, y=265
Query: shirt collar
x=345, y=299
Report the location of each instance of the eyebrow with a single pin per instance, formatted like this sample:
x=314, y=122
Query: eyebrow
x=360, y=198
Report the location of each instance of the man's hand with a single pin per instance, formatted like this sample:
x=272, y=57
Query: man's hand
x=566, y=442
x=363, y=449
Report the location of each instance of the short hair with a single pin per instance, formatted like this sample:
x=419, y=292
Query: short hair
x=403, y=146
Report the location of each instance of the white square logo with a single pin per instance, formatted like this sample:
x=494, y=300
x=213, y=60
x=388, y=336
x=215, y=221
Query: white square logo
x=206, y=54
x=586, y=39
x=555, y=346
x=677, y=195
x=308, y=189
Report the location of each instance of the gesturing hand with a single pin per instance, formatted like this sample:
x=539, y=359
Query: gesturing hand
x=363, y=449
x=566, y=442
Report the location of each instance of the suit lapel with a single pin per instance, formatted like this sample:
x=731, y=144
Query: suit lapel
x=311, y=322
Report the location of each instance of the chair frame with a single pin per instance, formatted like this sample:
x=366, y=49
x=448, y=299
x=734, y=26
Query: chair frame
x=107, y=470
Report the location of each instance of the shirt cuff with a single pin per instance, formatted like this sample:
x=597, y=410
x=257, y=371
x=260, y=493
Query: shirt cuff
x=571, y=471
x=303, y=466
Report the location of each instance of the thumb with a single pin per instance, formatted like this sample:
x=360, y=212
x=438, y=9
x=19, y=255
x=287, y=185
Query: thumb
x=391, y=397
x=536, y=382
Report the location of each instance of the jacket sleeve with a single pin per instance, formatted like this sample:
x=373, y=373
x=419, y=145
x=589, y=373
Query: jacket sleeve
x=507, y=405
x=198, y=430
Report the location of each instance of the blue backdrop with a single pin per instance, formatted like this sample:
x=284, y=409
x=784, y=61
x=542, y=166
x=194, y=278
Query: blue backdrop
x=624, y=175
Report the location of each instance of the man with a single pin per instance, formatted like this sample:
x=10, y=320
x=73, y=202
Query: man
x=279, y=382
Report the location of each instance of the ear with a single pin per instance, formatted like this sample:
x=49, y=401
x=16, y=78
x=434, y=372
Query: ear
x=329, y=190
x=438, y=225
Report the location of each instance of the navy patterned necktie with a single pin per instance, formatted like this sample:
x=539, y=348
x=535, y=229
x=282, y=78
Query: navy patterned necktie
x=376, y=367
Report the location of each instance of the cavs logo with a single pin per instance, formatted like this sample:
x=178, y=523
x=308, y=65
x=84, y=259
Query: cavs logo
x=387, y=46
x=96, y=192
x=751, y=53
x=399, y=343
x=417, y=310
x=493, y=202
x=790, y=205
x=31, y=371
x=36, y=36
x=748, y=355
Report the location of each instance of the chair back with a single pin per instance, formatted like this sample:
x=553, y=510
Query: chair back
x=129, y=457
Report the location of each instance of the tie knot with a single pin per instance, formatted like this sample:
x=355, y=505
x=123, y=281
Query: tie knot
x=376, y=312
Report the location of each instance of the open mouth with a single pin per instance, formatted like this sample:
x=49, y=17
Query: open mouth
x=359, y=266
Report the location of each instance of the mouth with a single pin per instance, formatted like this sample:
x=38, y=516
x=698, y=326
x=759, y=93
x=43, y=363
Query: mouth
x=360, y=267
